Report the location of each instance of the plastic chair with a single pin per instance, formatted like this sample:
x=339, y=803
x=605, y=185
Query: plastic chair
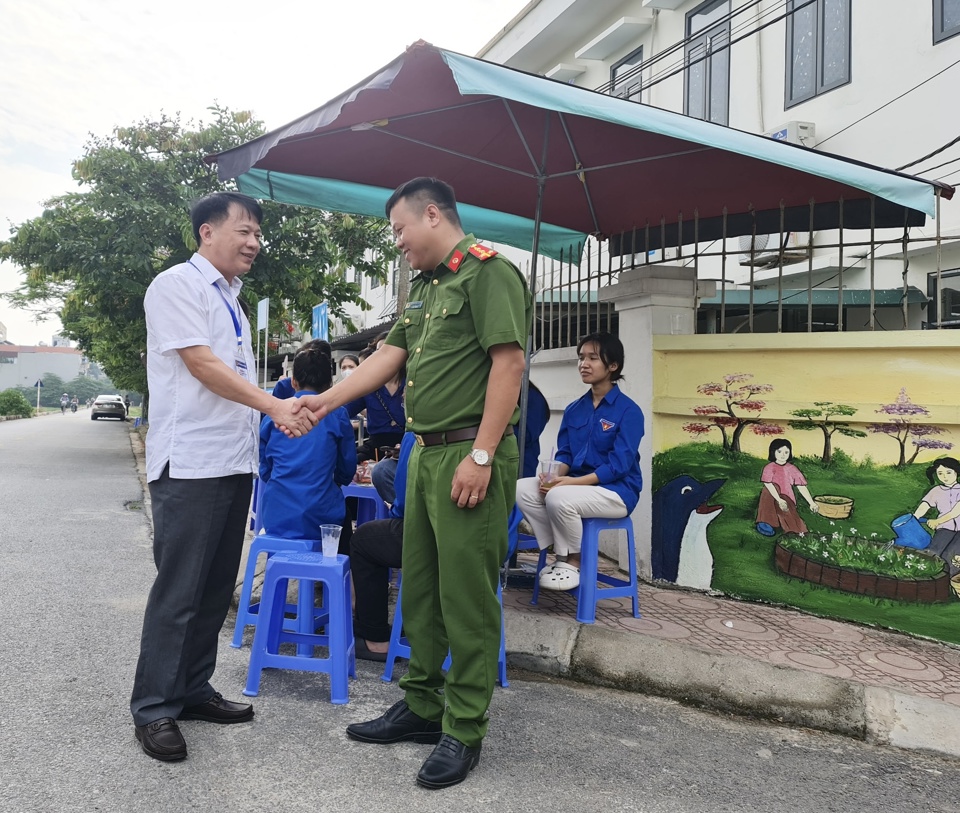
x=400, y=647
x=247, y=612
x=336, y=619
x=369, y=503
x=587, y=593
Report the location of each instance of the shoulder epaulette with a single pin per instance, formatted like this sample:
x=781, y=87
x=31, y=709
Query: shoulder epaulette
x=482, y=253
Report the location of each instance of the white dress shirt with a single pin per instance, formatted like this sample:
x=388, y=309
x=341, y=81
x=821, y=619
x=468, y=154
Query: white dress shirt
x=197, y=432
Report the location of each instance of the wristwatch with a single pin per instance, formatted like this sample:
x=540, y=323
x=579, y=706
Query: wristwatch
x=481, y=457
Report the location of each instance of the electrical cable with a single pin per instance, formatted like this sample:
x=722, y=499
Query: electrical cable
x=946, y=146
x=887, y=104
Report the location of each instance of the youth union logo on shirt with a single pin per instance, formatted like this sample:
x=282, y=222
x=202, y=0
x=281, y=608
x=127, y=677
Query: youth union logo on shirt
x=606, y=425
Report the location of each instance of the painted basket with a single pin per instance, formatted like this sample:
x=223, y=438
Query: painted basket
x=834, y=507
x=955, y=584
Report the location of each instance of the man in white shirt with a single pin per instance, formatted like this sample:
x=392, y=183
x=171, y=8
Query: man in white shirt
x=201, y=454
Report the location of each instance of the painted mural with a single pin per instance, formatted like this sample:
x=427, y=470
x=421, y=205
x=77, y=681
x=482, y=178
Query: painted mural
x=835, y=505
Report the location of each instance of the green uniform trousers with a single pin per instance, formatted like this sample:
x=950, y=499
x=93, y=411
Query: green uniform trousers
x=451, y=564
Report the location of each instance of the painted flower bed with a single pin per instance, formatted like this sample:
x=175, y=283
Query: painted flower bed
x=862, y=566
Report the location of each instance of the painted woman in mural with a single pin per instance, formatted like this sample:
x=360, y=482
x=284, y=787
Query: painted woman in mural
x=596, y=472
x=945, y=497
x=778, y=502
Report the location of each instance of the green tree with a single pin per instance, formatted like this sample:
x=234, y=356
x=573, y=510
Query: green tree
x=92, y=253
x=12, y=402
x=822, y=416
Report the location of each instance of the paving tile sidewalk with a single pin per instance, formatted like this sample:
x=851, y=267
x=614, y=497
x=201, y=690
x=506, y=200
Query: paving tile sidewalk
x=775, y=635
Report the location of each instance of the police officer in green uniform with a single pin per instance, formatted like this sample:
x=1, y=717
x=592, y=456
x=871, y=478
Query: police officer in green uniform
x=461, y=339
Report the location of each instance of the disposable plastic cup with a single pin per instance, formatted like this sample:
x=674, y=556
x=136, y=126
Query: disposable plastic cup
x=550, y=471
x=330, y=540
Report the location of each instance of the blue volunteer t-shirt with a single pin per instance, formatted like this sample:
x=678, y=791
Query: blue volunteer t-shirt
x=604, y=441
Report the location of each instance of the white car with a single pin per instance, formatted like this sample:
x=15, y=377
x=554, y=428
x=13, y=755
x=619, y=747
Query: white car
x=108, y=406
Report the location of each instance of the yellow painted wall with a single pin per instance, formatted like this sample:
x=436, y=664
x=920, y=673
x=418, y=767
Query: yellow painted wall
x=862, y=370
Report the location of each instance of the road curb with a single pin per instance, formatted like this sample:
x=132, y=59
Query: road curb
x=731, y=683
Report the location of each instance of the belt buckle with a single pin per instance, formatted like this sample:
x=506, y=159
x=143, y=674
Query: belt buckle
x=419, y=439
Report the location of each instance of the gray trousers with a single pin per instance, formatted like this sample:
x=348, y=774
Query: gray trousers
x=199, y=527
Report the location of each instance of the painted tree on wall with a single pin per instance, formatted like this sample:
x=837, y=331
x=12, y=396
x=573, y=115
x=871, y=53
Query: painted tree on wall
x=822, y=416
x=738, y=394
x=902, y=428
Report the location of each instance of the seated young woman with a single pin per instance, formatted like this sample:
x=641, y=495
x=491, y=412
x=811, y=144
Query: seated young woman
x=599, y=472
x=301, y=477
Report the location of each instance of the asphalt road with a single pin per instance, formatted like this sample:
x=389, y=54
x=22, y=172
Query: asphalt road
x=76, y=567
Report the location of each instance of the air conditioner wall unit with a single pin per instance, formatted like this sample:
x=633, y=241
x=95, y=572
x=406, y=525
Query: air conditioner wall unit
x=795, y=132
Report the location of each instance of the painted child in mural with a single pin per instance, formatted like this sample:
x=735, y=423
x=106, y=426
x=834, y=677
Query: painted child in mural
x=945, y=497
x=778, y=502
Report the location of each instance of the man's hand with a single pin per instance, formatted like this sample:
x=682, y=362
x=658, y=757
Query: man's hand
x=470, y=483
x=291, y=419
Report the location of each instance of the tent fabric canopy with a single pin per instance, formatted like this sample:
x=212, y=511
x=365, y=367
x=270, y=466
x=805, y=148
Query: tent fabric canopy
x=605, y=166
x=343, y=196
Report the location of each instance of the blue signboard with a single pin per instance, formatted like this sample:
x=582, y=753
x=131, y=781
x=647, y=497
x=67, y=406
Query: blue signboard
x=321, y=322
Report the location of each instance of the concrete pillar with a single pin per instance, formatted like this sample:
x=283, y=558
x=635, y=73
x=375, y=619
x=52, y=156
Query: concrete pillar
x=651, y=301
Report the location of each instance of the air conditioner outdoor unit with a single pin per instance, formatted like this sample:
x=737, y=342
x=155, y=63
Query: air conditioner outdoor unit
x=766, y=249
x=795, y=132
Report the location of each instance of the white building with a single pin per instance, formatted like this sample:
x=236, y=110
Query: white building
x=866, y=79
x=23, y=365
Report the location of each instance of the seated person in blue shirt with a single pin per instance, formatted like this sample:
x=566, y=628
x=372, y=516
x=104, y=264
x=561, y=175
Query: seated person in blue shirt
x=376, y=547
x=284, y=387
x=600, y=467
x=301, y=477
x=385, y=416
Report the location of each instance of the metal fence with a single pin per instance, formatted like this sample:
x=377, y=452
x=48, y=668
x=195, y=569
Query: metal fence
x=791, y=280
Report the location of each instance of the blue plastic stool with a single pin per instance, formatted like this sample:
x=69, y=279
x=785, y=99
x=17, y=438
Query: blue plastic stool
x=587, y=593
x=247, y=612
x=369, y=503
x=337, y=621
x=400, y=646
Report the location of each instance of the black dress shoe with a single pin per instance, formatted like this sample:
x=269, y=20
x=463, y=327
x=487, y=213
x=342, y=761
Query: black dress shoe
x=397, y=724
x=364, y=652
x=449, y=764
x=218, y=710
x=162, y=740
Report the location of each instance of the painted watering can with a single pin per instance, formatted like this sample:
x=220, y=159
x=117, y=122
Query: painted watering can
x=910, y=533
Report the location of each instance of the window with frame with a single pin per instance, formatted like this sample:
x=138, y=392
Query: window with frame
x=946, y=19
x=818, y=48
x=625, y=80
x=707, y=57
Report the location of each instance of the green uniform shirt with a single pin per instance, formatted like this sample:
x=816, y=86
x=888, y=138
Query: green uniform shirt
x=454, y=315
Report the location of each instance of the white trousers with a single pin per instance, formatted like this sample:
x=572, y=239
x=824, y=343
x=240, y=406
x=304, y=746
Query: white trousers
x=556, y=516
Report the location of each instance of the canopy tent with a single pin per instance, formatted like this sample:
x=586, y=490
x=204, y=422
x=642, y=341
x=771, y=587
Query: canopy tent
x=541, y=151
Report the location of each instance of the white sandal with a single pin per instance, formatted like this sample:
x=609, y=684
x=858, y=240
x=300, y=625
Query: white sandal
x=564, y=576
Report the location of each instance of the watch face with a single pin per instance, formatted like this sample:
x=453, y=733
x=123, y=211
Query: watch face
x=480, y=457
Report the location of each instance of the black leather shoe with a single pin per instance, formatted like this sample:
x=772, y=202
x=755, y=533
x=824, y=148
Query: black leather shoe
x=449, y=764
x=218, y=710
x=397, y=724
x=362, y=651
x=162, y=740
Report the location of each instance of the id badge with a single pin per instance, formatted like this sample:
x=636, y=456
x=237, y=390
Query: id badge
x=241, y=365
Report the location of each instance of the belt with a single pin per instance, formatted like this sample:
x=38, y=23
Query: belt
x=453, y=436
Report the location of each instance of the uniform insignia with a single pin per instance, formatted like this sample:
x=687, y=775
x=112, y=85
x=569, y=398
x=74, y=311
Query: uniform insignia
x=414, y=305
x=606, y=425
x=454, y=263
x=481, y=252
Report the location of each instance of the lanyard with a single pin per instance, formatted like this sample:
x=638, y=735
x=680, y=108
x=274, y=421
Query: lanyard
x=233, y=313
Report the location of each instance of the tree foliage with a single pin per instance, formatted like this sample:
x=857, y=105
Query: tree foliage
x=902, y=428
x=12, y=402
x=823, y=416
x=92, y=253
x=738, y=395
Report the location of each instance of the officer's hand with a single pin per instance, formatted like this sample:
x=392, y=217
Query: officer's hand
x=290, y=419
x=470, y=483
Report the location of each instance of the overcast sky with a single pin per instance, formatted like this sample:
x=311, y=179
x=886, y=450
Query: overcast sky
x=69, y=69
